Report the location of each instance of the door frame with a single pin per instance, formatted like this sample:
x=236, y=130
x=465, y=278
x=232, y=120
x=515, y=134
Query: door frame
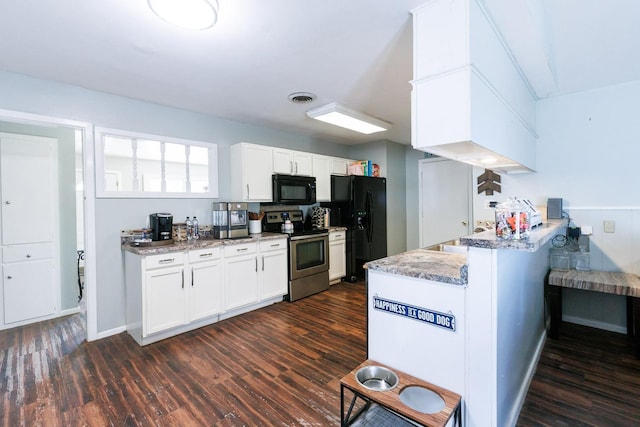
x=421, y=165
x=88, y=166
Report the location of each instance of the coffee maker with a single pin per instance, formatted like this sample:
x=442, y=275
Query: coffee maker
x=161, y=225
x=230, y=220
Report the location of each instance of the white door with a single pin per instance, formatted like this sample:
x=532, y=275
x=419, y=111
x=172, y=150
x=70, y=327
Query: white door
x=275, y=280
x=164, y=299
x=322, y=172
x=258, y=170
x=206, y=289
x=445, y=194
x=28, y=188
x=241, y=281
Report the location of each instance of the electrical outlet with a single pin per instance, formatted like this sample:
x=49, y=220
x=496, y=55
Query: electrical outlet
x=609, y=226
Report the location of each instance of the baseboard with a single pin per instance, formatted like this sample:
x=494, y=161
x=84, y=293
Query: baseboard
x=522, y=393
x=110, y=332
x=595, y=324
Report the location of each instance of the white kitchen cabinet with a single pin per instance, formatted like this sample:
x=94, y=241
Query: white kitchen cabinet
x=337, y=256
x=274, y=281
x=322, y=171
x=164, y=293
x=29, y=210
x=340, y=166
x=28, y=290
x=205, y=283
x=251, y=171
x=240, y=275
x=292, y=162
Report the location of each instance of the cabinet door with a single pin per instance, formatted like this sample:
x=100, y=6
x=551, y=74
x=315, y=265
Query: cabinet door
x=322, y=172
x=275, y=281
x=340, y=166
x=206, y=289
x=257, y=171
x=337, y=260
x=164, y=299
x=283, y=161
x=27, y=166
x=240, y=281
x=28, y=290
x=302, y=163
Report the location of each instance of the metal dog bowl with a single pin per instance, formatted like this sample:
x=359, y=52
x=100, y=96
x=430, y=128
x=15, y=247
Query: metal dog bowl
x=422, y=399
x=377, y=378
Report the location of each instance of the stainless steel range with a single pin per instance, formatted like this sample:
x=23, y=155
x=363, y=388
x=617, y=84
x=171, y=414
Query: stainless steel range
x=308, y=254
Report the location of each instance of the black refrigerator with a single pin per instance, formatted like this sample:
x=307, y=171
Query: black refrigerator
x=360, y=204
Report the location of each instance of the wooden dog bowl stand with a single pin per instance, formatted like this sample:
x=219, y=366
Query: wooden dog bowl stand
x=390, y=399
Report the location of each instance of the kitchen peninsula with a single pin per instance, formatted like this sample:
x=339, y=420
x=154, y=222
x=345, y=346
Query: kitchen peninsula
x=470, y=322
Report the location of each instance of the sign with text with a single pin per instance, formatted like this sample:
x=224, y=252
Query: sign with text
x=435, y=318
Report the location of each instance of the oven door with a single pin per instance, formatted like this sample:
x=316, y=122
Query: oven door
x=294, y=190
x=308, y=255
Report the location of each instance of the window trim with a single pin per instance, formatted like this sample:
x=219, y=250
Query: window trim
x=213, y=192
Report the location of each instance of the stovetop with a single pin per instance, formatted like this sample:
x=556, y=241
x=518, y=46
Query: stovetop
x=272, y=222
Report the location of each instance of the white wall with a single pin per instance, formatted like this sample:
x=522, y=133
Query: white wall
x=587, y=154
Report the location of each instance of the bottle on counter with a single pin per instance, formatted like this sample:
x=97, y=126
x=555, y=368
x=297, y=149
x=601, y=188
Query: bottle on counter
x=189, y=229
x=196, y=228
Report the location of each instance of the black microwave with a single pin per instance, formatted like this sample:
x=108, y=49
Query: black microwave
x=294, y=189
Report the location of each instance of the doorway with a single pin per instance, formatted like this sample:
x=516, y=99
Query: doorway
x=445, y=200
x=75, y=144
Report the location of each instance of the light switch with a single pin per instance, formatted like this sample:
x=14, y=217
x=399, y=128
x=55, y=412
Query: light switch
x=609, y=226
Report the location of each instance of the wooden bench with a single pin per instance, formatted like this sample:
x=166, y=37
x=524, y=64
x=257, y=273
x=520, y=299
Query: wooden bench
x=608, y=282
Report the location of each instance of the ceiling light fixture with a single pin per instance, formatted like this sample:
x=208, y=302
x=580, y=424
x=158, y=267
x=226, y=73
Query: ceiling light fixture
x=189, y=14
x=338, y=115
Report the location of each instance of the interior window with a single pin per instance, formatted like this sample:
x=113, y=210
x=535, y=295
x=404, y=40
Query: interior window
x=137, y=165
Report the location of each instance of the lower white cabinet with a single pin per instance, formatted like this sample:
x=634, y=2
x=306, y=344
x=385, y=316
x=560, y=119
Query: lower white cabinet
x=274, y=280
x=337, y=256
x=175, y=292
x=205, y=283
x=240, y=275
x=165, y=299
x=28, y=290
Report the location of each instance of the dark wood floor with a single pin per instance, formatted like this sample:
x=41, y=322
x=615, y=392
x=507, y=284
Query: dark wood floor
x=276, y=366
x=589, y=377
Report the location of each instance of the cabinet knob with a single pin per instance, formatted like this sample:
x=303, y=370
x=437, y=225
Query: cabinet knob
x=7, y=202
x=464, y=223
x=28, y=256
x=9, y=277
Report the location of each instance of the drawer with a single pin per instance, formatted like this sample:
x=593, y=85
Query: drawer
x=240, y=249
x=164, y=260
x=14, y=253
x=337, y=235
x=204, y=254
x=273, y=245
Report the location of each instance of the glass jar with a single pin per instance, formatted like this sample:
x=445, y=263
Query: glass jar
x=513, y=220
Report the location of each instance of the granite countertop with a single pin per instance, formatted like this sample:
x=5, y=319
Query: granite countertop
x=537, y=238
x=425, y=264
x=199, y=244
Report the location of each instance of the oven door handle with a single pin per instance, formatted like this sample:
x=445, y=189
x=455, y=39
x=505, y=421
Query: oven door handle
x=318, y=236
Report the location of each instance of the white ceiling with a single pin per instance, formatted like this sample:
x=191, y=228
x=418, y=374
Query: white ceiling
x=355, y=52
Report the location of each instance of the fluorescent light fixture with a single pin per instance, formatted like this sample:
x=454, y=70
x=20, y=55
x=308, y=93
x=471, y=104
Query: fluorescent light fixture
x=189, y=14
x=340, y=116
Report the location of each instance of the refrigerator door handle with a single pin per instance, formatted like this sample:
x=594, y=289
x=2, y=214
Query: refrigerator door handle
x=369, y=216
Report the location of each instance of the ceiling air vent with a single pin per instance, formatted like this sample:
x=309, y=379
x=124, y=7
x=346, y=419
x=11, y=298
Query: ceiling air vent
x=301, y=97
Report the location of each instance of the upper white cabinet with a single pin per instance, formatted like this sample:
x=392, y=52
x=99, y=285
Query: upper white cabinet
x=251, y=171
x=292, y=162
x=340, y=166
x=322, y=171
